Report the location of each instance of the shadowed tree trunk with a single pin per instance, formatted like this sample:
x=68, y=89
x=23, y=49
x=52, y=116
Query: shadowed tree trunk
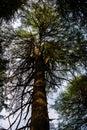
x=39, y=118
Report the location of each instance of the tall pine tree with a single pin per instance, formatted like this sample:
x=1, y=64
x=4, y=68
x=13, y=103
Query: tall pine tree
x=43, y=51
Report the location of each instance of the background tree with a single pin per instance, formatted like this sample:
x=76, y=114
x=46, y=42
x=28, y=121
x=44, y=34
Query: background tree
x=3, y=63
x=71, y=105
x=1, y=79
x=42, y=51
x=73, y=10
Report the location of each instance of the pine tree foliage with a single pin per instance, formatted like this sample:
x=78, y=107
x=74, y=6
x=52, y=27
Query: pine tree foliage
x=71, y=105
x=42, y=36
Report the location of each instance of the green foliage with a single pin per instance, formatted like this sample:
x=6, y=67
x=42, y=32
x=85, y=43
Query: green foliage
x=60, y=41
x=24, y=34
x=39, y=18
x=71, y=105
x=78, y=84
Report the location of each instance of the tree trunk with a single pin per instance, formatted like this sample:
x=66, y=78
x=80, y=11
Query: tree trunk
x=39, y=117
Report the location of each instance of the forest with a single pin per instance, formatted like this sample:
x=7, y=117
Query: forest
x=43, y=65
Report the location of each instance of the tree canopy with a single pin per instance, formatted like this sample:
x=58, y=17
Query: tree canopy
x=65, y=7
x=71, y=105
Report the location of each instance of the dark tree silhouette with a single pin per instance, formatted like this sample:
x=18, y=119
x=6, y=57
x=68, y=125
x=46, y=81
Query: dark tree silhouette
x=73, y=10
x=9, y=7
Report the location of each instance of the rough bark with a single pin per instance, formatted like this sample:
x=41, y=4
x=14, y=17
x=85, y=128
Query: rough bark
x=39, y=117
